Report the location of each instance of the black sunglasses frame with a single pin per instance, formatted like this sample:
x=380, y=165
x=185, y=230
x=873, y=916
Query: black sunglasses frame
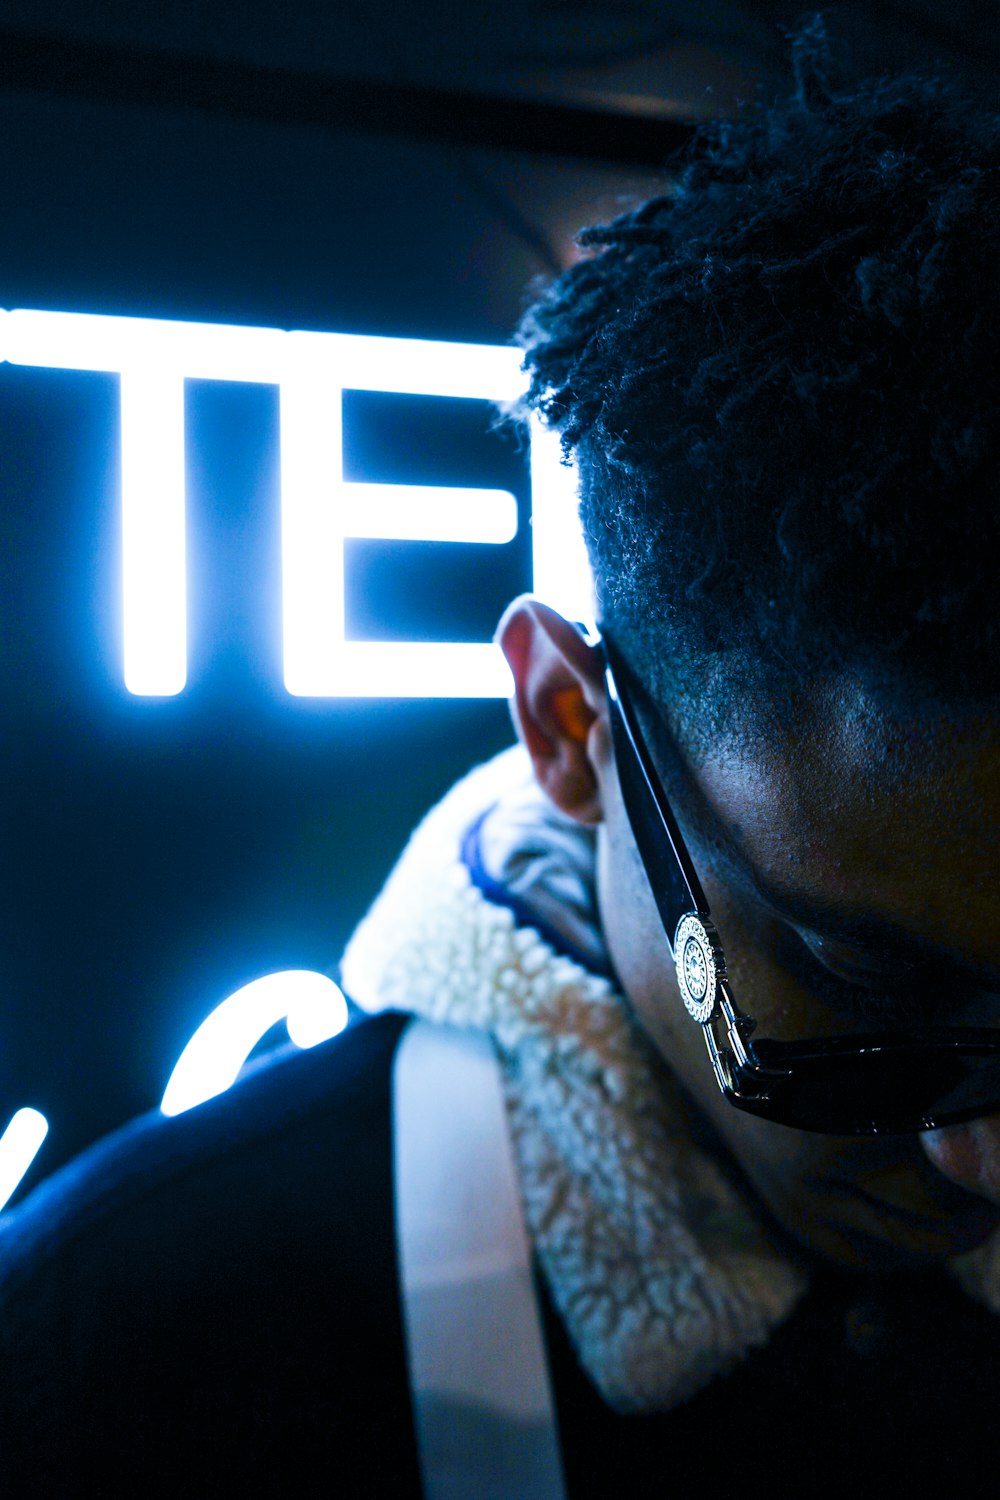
x=875, y=1083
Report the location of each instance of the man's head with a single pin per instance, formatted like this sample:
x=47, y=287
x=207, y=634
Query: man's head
x=779, y=385
x=779, y=381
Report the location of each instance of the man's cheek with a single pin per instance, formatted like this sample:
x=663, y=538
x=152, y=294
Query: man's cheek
x=968, y=1154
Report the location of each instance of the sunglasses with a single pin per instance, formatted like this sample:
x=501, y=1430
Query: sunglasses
x=874, y=1083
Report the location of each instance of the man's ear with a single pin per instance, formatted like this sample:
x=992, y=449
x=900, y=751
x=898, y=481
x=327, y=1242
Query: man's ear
x=558, y=702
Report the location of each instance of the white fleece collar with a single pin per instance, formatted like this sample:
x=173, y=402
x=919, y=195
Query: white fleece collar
x=662, y=1274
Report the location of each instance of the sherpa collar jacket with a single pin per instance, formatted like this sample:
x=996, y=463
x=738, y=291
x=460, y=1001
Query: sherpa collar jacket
x=209, y=1305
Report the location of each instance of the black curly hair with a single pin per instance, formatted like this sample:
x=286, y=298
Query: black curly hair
x=781, y=385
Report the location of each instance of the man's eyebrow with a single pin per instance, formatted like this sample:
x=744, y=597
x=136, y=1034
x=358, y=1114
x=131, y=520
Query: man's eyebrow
x=863, y=930
x=870, y=933
x=858, y=928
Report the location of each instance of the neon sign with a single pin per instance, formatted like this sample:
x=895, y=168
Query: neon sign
x=19, y=1145
x=319, y=508
x=312, y=1006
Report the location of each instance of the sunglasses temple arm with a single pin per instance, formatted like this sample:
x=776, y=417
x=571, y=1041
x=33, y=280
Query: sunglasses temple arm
x=675, y=884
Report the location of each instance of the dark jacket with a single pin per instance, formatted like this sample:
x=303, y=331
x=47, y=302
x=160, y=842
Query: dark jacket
x=208, y=1306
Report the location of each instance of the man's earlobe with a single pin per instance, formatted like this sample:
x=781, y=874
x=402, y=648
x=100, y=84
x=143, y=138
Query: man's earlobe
x=558, y=701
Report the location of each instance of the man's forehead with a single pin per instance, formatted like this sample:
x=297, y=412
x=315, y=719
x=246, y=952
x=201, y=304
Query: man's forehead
x=847, y=807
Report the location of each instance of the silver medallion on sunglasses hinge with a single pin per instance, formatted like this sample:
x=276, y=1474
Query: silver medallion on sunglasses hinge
x=700, y=964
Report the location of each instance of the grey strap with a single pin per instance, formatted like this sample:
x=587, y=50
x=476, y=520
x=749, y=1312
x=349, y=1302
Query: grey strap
x=478, y=1375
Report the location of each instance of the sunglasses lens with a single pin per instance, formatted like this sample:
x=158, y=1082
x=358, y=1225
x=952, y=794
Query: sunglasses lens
x=879, y=1090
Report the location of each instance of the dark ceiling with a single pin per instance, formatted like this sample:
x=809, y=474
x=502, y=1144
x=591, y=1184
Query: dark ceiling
x=425, y=67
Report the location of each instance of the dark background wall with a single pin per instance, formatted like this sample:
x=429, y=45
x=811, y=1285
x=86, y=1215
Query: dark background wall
x=376, y=170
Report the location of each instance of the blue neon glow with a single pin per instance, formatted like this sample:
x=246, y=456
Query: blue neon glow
x=19, y=1145
x=560, y=567
x=319, y=508
x=154, y=562
x=427, y=513
x=312, y=1006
